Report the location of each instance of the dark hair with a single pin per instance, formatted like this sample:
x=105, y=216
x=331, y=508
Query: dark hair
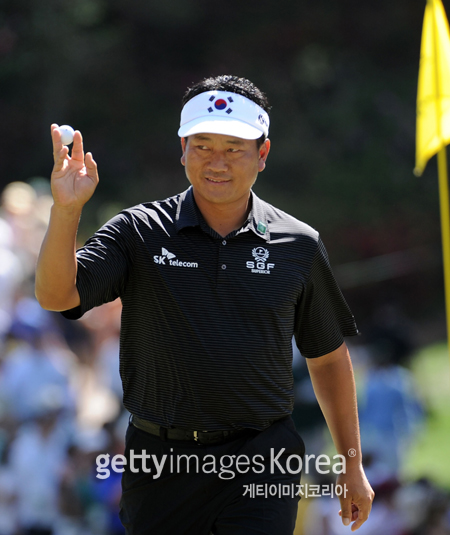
x=227, y=82
x=234, y=84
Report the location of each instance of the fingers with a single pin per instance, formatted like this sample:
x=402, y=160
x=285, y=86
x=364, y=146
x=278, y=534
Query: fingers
x=354, y=512
x=60, y=152
x=77, y=147
x=347, y=510
x=361, y=518
x=56, y=139
x=357, y=503
x=91, y=167
x=355, y=515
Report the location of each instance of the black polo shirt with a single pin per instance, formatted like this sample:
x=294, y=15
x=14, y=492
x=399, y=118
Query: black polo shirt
x=207, y=322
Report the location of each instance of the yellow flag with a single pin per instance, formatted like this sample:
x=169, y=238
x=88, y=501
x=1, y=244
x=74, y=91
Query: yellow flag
x=433, y=94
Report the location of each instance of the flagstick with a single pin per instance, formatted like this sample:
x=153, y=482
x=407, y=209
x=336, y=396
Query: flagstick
x=445, y=226
x=443, y=176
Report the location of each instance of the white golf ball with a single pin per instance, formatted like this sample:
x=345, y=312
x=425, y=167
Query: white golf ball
x=66, y=134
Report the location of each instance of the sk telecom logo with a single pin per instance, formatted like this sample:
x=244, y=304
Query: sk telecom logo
x=170, y=257
x=165, y=255
x=260, y=264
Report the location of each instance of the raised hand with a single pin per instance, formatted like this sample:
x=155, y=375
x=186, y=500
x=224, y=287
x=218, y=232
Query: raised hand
x=74, y=178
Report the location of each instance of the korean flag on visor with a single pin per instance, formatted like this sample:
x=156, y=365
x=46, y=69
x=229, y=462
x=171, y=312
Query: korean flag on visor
x=221, y=112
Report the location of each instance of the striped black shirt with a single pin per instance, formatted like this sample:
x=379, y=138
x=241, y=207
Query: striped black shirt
x=207, y=322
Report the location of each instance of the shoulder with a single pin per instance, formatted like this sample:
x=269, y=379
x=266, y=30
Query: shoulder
x=153, y=215
x=283, y=224
x=166, y=208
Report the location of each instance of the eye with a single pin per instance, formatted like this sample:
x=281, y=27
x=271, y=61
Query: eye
x=202, y=147
x=233, y=150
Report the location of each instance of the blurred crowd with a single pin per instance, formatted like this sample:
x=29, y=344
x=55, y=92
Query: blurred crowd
x=391, y=415
x=60, y=392
x=61, y=406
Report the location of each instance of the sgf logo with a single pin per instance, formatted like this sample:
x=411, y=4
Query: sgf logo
x=259, y=265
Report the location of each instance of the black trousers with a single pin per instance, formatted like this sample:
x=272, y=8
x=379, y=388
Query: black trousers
x=248, y=486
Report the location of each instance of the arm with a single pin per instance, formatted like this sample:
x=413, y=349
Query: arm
x=73, y=182
x=334, y=385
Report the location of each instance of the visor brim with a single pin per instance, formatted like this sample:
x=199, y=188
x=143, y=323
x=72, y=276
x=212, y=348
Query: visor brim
x=225, y=126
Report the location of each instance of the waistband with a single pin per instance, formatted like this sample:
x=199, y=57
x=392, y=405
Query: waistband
x=201, y=437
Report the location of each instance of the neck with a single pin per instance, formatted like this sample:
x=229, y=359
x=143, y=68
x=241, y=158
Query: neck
x=224, y=218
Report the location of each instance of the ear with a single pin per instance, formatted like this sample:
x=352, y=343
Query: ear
x=263, y=153
x=183, y=148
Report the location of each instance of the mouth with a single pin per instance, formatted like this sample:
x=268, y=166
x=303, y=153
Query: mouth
x=216, y=180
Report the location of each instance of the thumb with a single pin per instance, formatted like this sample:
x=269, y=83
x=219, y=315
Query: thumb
x=346, y=511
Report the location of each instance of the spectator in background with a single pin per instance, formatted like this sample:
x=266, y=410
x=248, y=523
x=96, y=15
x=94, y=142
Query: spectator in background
x=37, y=459
x=51, y=398
x=8, y=492
x=18, y=210
x=33, y=362
x=390, y=409
x=81, y=512
x=11, y=276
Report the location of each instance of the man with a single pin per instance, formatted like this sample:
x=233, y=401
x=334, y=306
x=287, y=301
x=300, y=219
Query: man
x=214, y=282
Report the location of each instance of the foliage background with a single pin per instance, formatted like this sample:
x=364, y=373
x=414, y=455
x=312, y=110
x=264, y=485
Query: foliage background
x=341, y=77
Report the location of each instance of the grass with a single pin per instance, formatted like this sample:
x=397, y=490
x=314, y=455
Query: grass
x=429, y=455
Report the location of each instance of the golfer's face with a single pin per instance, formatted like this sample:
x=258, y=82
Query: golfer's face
x=222, y=169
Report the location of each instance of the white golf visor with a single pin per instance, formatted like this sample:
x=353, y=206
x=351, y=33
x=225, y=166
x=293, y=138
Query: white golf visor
x=221, y=112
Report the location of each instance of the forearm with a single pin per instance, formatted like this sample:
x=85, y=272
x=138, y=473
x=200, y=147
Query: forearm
x=56, y=269
x=334, y=386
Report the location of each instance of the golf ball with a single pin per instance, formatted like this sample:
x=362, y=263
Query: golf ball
x=66, y=134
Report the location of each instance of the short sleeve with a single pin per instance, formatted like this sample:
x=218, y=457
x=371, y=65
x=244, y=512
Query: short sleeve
x=103, y=264
x=323, y=317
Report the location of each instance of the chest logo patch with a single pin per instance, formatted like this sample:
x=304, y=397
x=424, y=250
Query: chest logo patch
x=172, y=260
x=260, y=264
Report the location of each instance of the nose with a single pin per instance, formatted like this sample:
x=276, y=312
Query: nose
x=217, y=162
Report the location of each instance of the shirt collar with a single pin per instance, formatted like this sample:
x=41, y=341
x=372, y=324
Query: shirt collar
x=257, y=218
x=188, y=215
